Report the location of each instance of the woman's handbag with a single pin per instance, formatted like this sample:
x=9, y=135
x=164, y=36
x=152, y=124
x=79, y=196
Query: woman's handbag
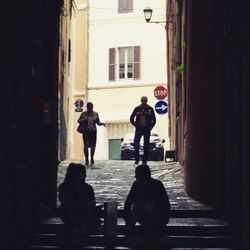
x=80, y=128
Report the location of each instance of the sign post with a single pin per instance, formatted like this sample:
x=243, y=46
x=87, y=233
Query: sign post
x=160, y=92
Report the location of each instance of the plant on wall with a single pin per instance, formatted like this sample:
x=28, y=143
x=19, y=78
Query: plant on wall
x=180, y=68
x=183, y=44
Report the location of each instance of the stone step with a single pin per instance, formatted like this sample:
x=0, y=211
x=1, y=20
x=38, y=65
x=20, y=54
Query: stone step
x=132, y=242
x=186, y=229
x=127, y=248
x=188, y=213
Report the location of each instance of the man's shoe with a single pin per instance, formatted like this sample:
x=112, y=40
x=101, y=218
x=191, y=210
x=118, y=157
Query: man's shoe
x=92, y=161
x=136, y=163
x=130, y=230
x=86, y=163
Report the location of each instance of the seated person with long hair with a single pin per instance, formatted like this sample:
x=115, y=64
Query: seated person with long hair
x=78, y=205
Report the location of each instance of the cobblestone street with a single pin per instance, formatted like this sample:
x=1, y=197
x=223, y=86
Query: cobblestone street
x=112, y=180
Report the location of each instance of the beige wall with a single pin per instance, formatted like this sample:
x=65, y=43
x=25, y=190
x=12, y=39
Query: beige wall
x=115, y=105
x=108, y=29
x=114, y=101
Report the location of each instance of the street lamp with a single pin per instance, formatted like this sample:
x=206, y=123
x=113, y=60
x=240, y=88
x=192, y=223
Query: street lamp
x=148, y=14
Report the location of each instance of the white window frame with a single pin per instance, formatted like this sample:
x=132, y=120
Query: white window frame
x=125, y=64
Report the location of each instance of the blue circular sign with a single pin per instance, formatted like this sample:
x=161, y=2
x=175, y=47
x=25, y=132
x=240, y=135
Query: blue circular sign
x=161, y=107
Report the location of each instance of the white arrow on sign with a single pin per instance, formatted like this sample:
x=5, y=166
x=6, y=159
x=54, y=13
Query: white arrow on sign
x=162, y=107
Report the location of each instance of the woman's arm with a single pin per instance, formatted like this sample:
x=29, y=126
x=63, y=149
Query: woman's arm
x=98, y=121
x=132, y=117
x=80, y=119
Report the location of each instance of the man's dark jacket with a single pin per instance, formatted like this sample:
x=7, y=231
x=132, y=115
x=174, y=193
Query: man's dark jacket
x=149, y=113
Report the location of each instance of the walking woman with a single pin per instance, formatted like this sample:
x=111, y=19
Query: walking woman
x=88, y=120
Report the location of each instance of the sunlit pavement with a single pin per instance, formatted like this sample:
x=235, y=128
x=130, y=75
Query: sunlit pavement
x=112, y=179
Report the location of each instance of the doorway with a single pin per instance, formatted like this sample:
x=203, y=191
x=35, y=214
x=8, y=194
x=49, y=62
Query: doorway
x=114, y=149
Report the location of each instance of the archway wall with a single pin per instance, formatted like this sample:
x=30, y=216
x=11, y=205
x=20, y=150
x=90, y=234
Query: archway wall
x=28, y=128
x=205, y=115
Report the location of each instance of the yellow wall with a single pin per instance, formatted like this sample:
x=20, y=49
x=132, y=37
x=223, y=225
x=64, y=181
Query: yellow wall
x=78, y=78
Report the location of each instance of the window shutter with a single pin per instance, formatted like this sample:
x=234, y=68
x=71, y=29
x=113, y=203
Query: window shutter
x=129, y=5
x=125, y=6
x=137, y=71
x=111, y=64
x=121, y=5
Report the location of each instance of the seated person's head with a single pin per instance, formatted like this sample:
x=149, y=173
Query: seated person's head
x=142, y=172
x=75, y=172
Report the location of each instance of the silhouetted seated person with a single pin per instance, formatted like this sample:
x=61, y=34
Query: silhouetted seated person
x=147, y=203
x=78, y=206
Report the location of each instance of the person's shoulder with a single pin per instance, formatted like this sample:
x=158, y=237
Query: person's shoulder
x=135, y=184
x=60, y=187
x=149, y=107
x=88, y=186
x=63, y=188
x=156, y=182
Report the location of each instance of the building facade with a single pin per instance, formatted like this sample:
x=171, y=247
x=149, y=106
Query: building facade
x=127, y=59
x=72, y=76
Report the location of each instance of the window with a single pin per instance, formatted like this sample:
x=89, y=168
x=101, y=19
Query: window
x=128, y=63
x=125, y=6
x=125, y=63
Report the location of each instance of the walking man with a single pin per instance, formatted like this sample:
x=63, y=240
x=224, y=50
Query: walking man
x=143, y=118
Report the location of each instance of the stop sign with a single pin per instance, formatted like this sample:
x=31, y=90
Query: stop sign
x=160, y=92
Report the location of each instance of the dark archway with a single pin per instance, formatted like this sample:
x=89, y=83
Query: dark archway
x=29, y=47
x=28, y=75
